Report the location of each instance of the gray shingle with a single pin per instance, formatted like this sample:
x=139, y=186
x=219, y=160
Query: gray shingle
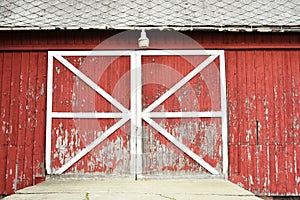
x=129, y=13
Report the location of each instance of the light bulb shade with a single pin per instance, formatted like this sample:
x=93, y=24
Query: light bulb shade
x=143, y=40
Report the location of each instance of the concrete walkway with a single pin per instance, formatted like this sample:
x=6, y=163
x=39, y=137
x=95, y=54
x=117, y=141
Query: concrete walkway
x=133, y=190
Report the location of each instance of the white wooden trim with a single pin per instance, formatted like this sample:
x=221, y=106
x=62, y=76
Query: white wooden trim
x=181, y=146
x=136, y=106
x=178, y=52
x=224, y=114
x=139, y=141
x=136, y=110
x=91, y=53
x=92, y=145
x=92, y=84
x=125, y=115
x=49, y=113
x=147, y=114
x=88, y=115
x=140, y=52
x=179, y=84
x=183, y=114
x=133, y=132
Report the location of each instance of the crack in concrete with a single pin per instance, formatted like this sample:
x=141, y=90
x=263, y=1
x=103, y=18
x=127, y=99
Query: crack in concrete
x=164, y=196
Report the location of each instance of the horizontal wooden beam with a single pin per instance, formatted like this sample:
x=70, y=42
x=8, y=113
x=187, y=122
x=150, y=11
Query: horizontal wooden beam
x=93, y=47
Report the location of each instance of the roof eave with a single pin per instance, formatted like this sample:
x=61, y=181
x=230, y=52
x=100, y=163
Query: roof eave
x=266, y=28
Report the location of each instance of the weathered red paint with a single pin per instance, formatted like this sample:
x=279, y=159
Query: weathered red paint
x=275, y=88
x=263, y=84
x=89, y=39
x=202, y=136
x=21, y=129
x=71, y=94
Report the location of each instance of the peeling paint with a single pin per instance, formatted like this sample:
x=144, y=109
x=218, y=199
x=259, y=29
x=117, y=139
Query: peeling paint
x=42, y=91
x=3, y=127
x=110, y=157
x=161, y=155
x=202, y=136
x=57, y=69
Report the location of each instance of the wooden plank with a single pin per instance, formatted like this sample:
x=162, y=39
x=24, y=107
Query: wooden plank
x=279, y=96
x=288, y=104
x=5, y=118
x=39, y=146
x=234, y=160
x=2, y=77
x=85, y=94
x=259, y=65
x=252, y=169
x=5, y=114
x=297, y=163
x=290, y=169
x=22, y=117
x=231, y=76
x=3, y=156
x=267, y=164
x=282, y=170
x=241, y=80
x=2, y=135
x=50, y=47
x=273, y=168
x=295, y=72
x=31, y=119
x=244, y=162
x=263, y=130
x=276, y=130
x=19, y=142
x=268, y=99
x=262, y=167
x=277, y=86
x=56, y=86
x=11, y=182
x=250, y=100
x=233, y=110
x=39, y=137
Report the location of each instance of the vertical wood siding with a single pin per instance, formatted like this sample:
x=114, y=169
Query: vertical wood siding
x=23, y=96
x=263, y=84
x=264, y=123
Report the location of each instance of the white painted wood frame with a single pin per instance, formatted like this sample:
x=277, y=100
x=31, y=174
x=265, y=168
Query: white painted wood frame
x=136, y=115
x=124, y=112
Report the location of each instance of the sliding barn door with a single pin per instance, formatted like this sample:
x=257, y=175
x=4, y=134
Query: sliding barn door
x=140, y=113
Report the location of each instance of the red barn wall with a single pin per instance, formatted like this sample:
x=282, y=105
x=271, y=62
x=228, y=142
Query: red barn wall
x=263, y=101
x=263, y=84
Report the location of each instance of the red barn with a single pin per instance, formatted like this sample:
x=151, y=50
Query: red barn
x=214, y=94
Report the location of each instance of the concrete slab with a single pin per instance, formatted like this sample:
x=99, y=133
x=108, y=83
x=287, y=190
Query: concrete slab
x=134, y=190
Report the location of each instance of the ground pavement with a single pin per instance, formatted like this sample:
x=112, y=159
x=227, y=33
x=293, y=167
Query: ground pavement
x=133, y=190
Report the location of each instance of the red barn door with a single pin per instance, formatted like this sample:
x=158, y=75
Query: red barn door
x=141, y=113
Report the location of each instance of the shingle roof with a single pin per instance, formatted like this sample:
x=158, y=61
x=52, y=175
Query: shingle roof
x=125, y=14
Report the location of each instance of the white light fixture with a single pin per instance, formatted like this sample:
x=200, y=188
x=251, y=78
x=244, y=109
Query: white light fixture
x=143, y=40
